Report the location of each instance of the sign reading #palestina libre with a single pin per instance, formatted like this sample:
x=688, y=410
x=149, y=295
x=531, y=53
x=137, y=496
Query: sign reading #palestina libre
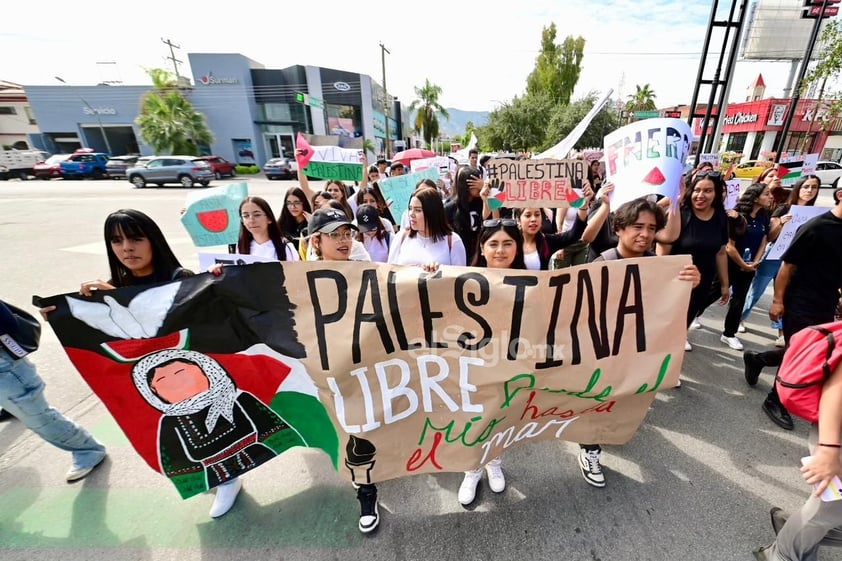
x=390, y=370
x=647, y=157
x=329, y=162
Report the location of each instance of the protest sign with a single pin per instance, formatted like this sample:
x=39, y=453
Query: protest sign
x=811, y=161
x=712, y=159
x=442, y=163
x=391, y=371
x=647, y=157
x=398, y=190
x=563, y=148
x=536, y=183
x=212, y=216
x=800, y=215
x=208, y=260
x=732, y=193
x=329, y=162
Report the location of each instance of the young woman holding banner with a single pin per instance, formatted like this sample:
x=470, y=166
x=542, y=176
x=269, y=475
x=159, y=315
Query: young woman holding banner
x=138, y=254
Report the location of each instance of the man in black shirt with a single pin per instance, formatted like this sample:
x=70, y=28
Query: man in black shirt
x=806, y=293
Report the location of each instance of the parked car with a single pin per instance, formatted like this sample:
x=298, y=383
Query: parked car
x=186, y=170
x=829, y=172
x=143, y=160
x=82, y=164
x=279, y=168
x=51, y=167
x=117, y=165
x=220, y=166
x=750, y=169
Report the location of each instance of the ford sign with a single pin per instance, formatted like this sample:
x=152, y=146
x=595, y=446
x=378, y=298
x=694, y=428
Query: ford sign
x=341, y=86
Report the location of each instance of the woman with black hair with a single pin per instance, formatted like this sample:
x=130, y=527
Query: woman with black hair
x=429, y=238
x=260, y=234
x=747, y=239
x=371, y=195
x=466, y=211
x=294, y=215
x=138, y=254
x=704, y=235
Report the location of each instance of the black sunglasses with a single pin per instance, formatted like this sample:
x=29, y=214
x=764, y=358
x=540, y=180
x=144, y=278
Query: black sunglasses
x=494, y=222
x=709, y=174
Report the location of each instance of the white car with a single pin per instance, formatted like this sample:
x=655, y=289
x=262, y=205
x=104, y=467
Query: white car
x=829, y=172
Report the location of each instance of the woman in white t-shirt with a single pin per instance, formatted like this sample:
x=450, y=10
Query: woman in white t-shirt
x=376, y=233
x=429, y=238
x=260, y=234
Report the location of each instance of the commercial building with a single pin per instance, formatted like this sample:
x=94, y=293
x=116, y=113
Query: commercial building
x=253, y=112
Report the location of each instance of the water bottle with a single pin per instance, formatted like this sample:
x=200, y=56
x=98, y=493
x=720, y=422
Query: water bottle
x=746, y=255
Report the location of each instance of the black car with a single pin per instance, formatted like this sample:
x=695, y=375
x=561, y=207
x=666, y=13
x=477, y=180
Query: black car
x=117, y=165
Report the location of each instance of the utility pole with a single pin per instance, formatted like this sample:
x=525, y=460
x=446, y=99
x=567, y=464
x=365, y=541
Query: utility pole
x=796, y=96
x=383, y=51
x=175, y=61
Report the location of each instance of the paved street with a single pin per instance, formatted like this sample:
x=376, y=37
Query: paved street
x=696, y=483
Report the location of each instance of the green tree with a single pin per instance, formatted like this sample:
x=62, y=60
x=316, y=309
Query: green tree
x=557, y=67
x=519, y=125
x=428, y=111
x=643, y=99
x=827, y=69
x=167, y=121
x=469, y=129
x=564, y=119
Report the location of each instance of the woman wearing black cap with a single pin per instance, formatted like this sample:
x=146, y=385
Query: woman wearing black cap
x=373, y=233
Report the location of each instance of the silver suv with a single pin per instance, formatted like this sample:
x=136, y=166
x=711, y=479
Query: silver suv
x=186, y=170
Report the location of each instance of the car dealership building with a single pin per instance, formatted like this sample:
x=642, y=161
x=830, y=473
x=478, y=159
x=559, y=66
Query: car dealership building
x=253, y=112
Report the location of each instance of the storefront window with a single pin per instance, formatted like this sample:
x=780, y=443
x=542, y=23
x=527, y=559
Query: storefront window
x=736, y=142
x=344, y=120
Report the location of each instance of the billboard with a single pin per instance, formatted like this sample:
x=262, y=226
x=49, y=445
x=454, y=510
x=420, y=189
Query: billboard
x=776, y=31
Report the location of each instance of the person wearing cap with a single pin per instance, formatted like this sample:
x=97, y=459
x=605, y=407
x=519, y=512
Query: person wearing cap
x=375, y=232
x=331, y=237
x=358, y=251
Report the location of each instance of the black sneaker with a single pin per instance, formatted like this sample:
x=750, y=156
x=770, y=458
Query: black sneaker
x=778, y=414
x=369, y=511
x=753, y=366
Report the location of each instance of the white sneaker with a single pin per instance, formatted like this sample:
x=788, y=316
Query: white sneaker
x=468, y=489
x=741, y=328
x=780, y=341
x=226, y=494
x=732, y=342
x=687, y=346
x=496, y=479
x=696, y=324
x=591, y=468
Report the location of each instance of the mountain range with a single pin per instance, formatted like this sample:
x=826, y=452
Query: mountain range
x=458, y=119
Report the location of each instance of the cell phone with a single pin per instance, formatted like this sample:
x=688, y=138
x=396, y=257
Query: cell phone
x=37, y=301
x=833, y=492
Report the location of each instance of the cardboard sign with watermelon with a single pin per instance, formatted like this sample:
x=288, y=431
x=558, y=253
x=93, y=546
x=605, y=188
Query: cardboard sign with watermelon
x=213, y=215
x=536, y=183
x=647, y=157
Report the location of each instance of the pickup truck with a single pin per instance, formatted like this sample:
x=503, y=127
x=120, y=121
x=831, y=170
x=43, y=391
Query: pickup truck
x=19, y=163
x=88, y=164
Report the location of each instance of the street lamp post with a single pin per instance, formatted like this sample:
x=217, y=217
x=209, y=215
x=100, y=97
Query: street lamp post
x=96, y=114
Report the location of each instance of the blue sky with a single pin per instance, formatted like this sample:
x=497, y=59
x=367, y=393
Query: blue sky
x=478, y=52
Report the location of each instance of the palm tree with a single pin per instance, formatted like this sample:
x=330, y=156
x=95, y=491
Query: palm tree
x=643, y=99
x=429, y=109
x=167, y=121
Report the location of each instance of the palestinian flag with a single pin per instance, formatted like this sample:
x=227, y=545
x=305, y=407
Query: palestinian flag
x=329, y=162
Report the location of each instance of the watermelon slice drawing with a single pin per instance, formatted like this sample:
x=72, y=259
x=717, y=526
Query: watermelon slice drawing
x=655, y=177
x=215, y=221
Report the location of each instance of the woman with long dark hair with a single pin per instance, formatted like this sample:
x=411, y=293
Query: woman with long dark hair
x=294, y=214
x=260, y=234
x=466, y=211
x=747, y=240
x=429, y=238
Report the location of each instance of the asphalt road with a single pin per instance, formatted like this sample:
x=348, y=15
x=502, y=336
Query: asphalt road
x=696, y=482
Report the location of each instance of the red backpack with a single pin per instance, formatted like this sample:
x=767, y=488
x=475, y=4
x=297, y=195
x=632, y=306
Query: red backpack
x=812, y=356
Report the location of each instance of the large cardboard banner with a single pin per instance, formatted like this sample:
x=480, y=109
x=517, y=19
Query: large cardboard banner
x=329, y=162
x=800, y=216
x=398, y=190
x=537, y=183
x=647, y=157
x=212, y=216
x=391, y=371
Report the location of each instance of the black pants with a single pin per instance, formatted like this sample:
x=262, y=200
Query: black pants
x=740, y=283
x=793, y=323
x=700, y=296
x=591, y=447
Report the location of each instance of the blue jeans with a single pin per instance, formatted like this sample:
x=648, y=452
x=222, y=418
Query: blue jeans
x=766, y=273
x=22, y=394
